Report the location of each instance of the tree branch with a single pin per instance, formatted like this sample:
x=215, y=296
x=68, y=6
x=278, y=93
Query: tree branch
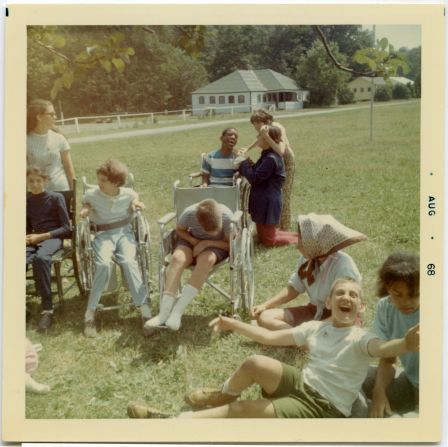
x=370, y=74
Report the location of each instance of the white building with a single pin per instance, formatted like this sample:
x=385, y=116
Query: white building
x=246, y=90
x=362, y=86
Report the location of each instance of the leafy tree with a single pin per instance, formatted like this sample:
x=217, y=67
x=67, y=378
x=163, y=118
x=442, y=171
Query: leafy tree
x=400, y=91
x=345, y=95
x=383, y=93
x=317, y=73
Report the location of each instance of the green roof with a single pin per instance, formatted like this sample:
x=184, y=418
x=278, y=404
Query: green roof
x=249, y=81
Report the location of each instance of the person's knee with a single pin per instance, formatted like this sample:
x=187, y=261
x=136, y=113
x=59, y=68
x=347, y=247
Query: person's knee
x=41, y=259
x=179, y=259
x=206, y=260
x=252, y=364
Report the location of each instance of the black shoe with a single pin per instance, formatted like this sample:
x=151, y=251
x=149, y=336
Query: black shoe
x=45, y=321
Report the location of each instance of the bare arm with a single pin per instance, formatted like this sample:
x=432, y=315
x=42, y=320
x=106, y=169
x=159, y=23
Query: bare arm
x=392, y=348
x=185, y=235
x=385, y=374
x=259, y=334
x=68, y=167
x=137, y=204
x=205, y=179
x=285, y=295
x=279, y=147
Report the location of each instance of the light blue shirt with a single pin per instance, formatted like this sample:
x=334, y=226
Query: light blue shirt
x=390, y=323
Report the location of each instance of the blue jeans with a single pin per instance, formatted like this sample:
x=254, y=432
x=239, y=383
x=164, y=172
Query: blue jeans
x=119, y=242
x=40, y=258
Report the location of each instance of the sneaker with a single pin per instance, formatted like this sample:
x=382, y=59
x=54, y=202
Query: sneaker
x=208, y=397
x=139, y=410
x=45, y=322
x=90, y=328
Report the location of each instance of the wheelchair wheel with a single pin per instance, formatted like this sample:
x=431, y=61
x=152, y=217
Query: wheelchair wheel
x=142, y=236
x=247, y=271
x=245, y=193
x=85, y=257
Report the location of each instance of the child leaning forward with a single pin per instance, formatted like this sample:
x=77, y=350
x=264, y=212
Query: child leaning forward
x=339, y=356
x=110, y=207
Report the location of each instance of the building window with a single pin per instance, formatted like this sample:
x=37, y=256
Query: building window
x=259, y=98
x=231, y=99
x=222, y=99
x=240, y=99
x=264, y=98
x=201, y=100
x=369, y=89
x=355, y=90
x=361, y=89
x=212, y=100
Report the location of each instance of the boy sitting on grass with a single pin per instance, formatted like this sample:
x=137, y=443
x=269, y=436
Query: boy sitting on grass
x=110, y=207
x=339, y=356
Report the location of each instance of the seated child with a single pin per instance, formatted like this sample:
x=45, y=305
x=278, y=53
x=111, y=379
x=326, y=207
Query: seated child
x=47, y=222
x=339, y=356
x=321, y=237
x=110, y=208
x=31, y=363
x=203, y=230
x=217, y=166
x=398, y=283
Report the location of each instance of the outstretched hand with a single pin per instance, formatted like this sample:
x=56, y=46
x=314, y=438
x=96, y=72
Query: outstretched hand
x=412, y=339
x=257, y=310
x=221, y=324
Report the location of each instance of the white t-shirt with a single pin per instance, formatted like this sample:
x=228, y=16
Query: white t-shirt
x=337, y=265
x=44, y=151
x=338, y=360
x=108, y=209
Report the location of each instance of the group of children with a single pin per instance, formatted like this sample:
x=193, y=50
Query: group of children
x=329, y=326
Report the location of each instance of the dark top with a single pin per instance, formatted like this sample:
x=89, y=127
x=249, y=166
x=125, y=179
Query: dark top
x=47, y=213
x=266, y=177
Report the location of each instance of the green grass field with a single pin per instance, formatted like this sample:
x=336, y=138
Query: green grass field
x=370, y=186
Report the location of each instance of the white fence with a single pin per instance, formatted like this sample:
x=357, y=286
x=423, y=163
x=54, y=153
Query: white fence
x=135, y=120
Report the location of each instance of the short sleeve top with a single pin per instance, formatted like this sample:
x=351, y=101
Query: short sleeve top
x=45, y=151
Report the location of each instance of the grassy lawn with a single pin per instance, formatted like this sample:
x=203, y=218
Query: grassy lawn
x=370, y=186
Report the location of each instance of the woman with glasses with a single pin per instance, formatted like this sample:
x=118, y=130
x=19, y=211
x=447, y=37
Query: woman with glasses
x=47, y=148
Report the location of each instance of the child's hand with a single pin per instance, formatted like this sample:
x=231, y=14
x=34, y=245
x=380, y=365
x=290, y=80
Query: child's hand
x=264, y=130
x=199, y=247
x=221, y=324
x=33, y=239
x=85, y=211
x=412, y=339
x=257, y=310
x=380, y=405
x=137, y=205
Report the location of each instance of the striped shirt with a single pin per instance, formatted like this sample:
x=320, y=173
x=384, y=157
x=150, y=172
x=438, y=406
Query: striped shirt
x=220, y=167
x=108, y=209
x=44, y=151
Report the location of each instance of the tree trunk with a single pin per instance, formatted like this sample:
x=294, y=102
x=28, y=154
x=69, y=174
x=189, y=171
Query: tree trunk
x=290, y=164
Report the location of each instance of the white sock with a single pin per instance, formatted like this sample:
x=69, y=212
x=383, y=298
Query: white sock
x=165, y=308
x=35, y=387
x=226, y=390
x=89, y=315
x=186, y=297
x=145, y=311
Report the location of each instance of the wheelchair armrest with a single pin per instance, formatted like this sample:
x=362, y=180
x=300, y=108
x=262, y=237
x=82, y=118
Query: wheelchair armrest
x=166, y=218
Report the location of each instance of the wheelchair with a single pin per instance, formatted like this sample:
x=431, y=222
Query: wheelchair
x=241, y=253
x=86, y=233
x=65, y=261
x=244, y=188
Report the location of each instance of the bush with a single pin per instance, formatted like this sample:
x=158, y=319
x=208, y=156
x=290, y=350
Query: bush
x=400, y=91
x=383, y=93
x=345, y=95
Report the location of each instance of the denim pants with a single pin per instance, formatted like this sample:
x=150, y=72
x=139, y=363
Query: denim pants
x=40, y=258
x=119, y=242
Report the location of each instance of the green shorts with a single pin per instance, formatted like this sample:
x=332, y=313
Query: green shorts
x=295, y=399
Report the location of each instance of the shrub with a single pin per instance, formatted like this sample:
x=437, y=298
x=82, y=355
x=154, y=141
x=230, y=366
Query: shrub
x=383, y=93
x=400, y=91
x=345, y=95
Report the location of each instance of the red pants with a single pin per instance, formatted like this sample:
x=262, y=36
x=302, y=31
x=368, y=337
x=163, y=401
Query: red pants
x=269, y=235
